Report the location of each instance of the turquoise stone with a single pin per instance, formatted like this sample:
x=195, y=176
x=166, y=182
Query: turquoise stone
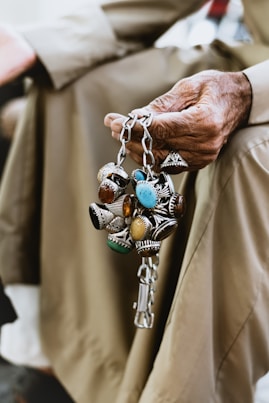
x=139, y=175
x=146, y=194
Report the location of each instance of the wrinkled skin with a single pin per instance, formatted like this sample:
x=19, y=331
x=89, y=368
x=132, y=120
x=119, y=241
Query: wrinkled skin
x=16, y=55
x=196, y=117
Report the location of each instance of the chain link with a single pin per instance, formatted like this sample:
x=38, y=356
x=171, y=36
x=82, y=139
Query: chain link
x=148, y=276
x=127, y=125
x=148, y=157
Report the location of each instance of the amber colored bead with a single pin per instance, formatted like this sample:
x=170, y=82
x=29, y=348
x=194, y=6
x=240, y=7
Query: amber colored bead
x=106, y=194
x=128, y=206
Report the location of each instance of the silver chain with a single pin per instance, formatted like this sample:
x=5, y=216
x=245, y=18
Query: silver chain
x=127, y=126
x=148, y=157
x=147, y=272
x=148, y=275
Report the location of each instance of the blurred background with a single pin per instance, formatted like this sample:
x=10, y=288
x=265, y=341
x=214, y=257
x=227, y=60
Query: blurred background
x=27, y=11
x=195, y=30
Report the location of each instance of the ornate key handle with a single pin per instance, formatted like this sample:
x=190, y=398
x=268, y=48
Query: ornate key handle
x=141, y=219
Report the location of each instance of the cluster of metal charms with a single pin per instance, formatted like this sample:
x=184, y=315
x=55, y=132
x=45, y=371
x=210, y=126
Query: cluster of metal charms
x=139, y=219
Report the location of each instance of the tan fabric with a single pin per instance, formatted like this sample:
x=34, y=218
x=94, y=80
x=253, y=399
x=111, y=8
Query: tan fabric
x=259, y=79
x=101, y=30
x=209, y=341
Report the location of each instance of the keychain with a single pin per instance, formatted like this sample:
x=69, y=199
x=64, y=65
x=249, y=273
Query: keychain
x=141, y=219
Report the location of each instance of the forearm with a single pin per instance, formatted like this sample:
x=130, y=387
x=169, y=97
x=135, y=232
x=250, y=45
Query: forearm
x=70, y=45
x=95, y=33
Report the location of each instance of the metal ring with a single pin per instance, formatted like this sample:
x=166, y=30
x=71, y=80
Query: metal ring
x=173, y=161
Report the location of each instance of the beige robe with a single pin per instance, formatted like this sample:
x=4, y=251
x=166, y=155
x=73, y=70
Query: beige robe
x=210, y=338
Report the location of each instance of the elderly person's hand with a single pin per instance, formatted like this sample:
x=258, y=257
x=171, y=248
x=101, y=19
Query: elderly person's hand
x=16, y=55
x=195, y=118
